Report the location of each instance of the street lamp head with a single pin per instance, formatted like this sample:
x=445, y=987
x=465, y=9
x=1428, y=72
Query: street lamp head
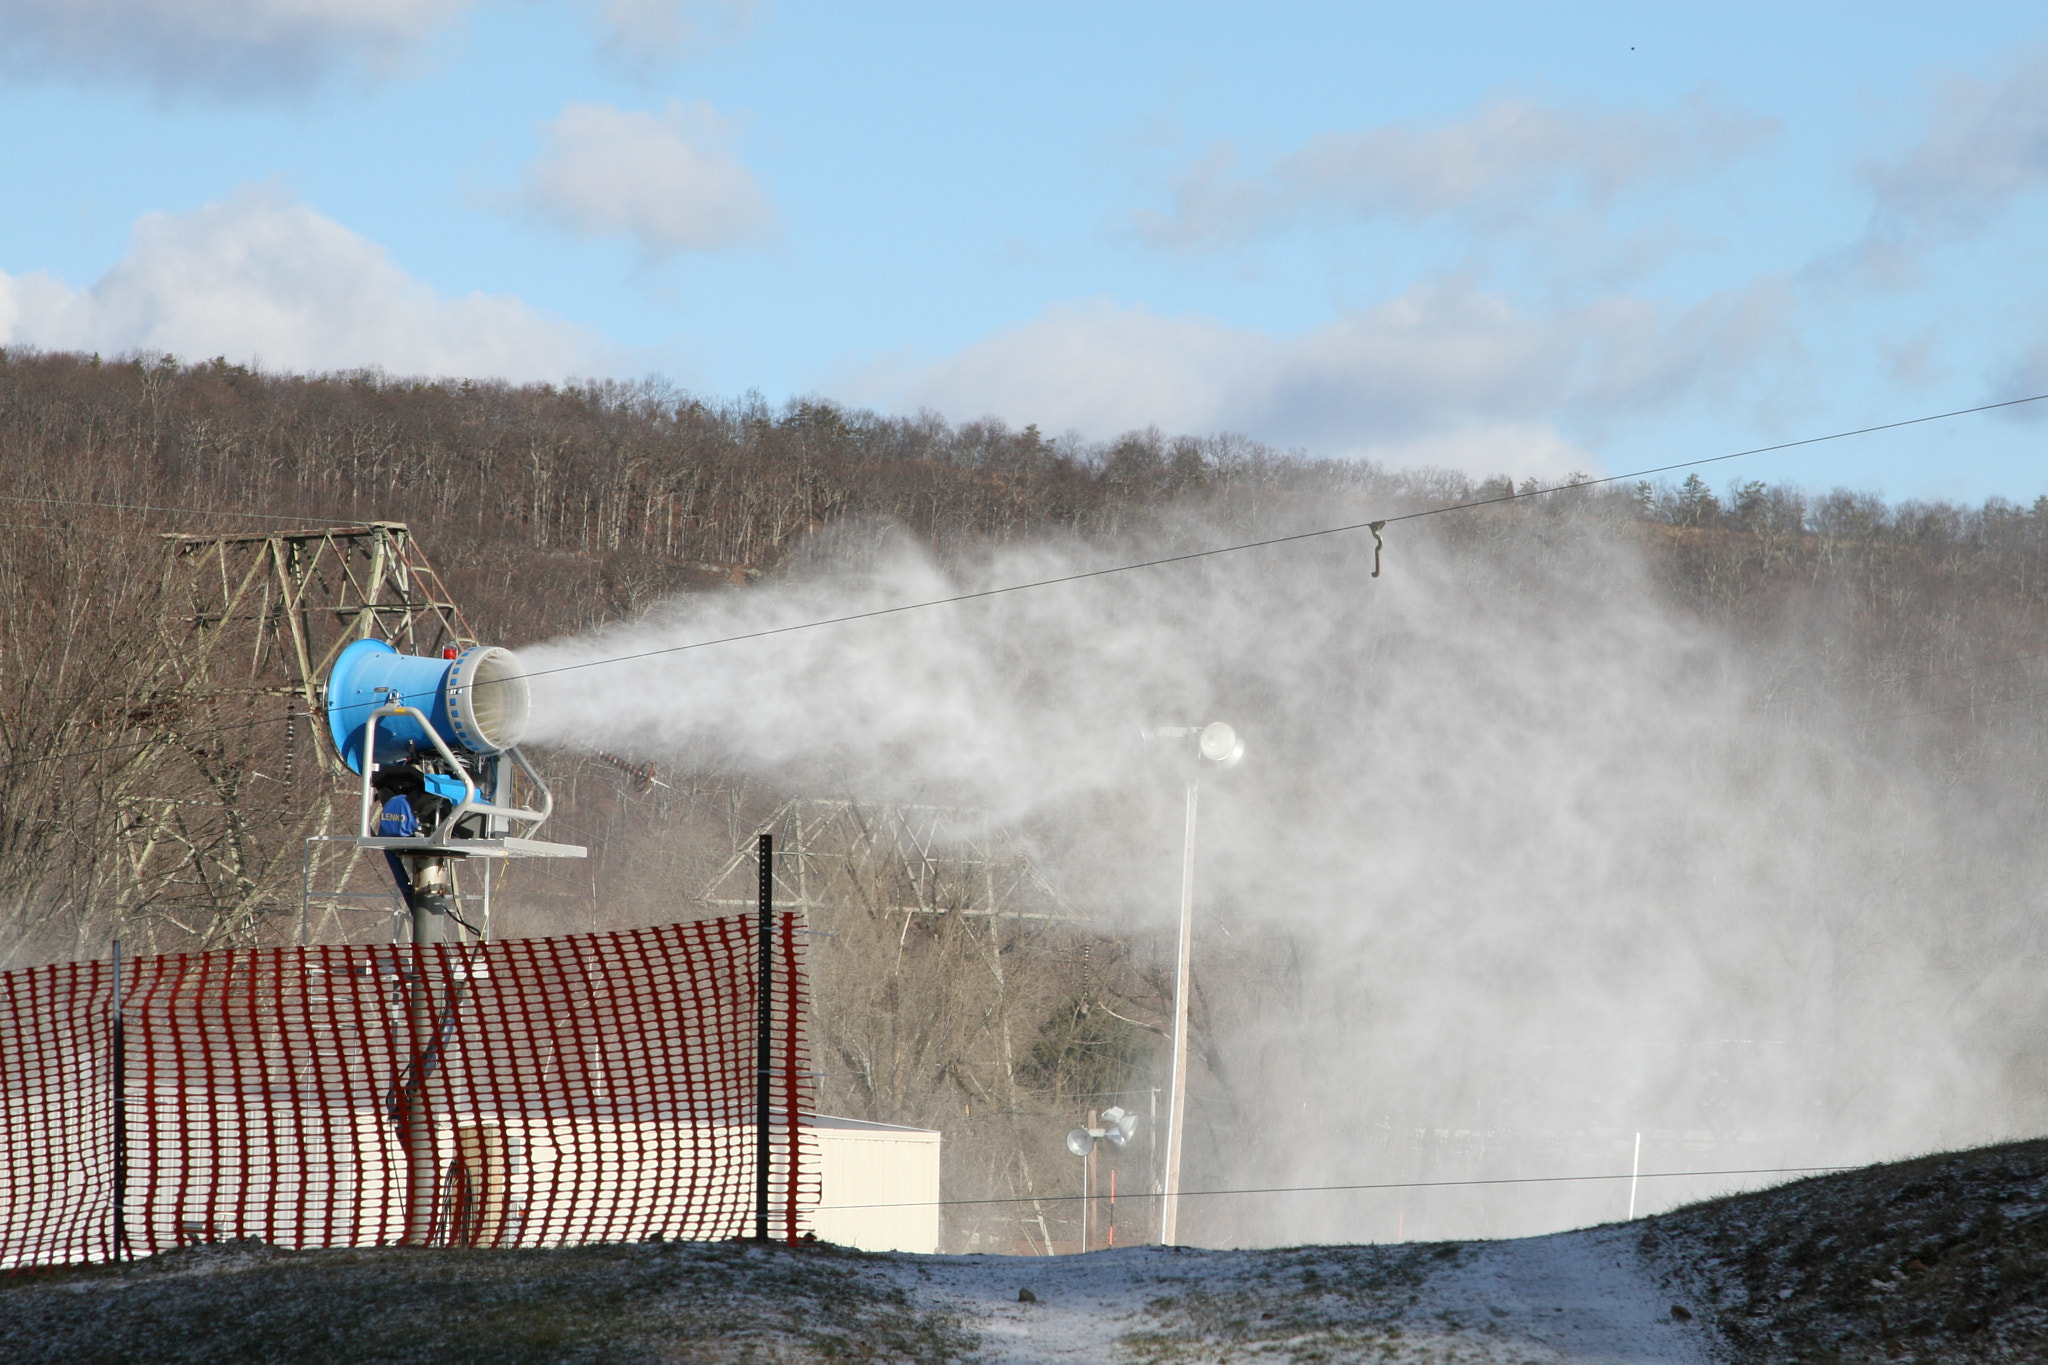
x=1215, y=745
x=1117, y=1127
x=1220, y=745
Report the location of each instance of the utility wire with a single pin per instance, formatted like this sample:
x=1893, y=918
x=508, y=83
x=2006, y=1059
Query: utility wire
x=1881, y=675
x=1845, y=724
x=1329, y=1189
x=307, y=715
x=155, y=739
x=1371, y=525
x=145, y=507
x=1511, y=495
x=1083, y=575
x=1940, y=710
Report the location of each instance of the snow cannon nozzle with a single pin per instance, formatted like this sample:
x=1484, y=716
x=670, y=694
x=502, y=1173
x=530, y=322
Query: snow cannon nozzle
x=477, y=700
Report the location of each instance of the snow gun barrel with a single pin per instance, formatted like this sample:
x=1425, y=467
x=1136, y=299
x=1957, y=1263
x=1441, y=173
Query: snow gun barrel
x=477, y=700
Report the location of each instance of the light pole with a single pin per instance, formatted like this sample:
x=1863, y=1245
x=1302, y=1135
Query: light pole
x=1216, y=745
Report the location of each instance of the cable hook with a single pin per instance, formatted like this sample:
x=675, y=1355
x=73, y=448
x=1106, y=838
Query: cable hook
x=1377, y=545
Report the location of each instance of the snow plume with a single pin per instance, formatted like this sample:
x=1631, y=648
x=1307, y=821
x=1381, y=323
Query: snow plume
x=1522, y=860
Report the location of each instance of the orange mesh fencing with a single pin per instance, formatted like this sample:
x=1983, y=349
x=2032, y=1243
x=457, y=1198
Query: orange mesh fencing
x=534, y=1092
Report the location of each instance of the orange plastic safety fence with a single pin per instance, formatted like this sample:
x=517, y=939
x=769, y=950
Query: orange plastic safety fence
x=534, y=1092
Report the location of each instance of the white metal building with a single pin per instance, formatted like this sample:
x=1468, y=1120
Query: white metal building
x=878, y=1185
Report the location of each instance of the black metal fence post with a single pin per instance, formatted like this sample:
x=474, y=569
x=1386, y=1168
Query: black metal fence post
x=764, y=1029
x=120, y=1242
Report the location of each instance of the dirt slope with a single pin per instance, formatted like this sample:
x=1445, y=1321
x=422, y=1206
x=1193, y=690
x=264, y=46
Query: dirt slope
x=1943, y=1258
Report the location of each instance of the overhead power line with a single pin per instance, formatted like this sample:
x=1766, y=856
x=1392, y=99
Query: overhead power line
x=147, y=507
x=1511, y=496
x=1086, y=574
x=1885, y=676
x=1338, y=1189
x=154, y=739
x=1941, y=710
x=308, y=715
x=1296, y=537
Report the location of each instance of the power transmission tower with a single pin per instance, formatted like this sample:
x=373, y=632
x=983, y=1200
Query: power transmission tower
x=287, y=602
x=241, y=768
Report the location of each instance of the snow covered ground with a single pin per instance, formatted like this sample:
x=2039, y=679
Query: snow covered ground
x=1576, y=1297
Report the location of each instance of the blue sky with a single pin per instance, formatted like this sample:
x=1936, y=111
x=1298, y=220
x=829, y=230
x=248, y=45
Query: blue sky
x=1522, y=239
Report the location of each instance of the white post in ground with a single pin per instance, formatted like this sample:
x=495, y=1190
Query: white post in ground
x=1088, y=1182
x=1176, y=1108
x=1635, y=1170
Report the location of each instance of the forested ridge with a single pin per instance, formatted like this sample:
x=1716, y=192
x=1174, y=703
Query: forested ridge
x=550, y=510
x=611, y=493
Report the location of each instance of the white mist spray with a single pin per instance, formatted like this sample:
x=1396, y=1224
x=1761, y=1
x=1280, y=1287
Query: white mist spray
x=1517, y=867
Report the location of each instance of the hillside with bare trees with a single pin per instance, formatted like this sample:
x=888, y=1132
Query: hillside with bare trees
x=996, y=1004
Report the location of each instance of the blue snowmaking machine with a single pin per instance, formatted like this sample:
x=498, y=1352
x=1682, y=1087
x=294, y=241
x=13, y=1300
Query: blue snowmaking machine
x=435, y=741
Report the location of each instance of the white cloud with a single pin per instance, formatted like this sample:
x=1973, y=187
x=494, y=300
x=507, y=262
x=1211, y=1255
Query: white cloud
x=1506, y=160
x=1444, y=374
x=1091, y=365
x=273, y=47
x=665, y=180
x=1987, y=145
x=228, y=46
x=645, y=34
x=258, y=278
